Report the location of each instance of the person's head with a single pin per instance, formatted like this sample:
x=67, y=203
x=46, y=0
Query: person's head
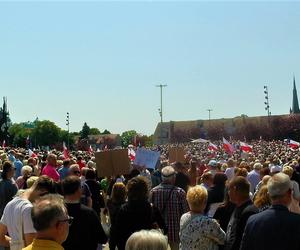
x=8, y=170
x=71, y=188
x=264, y=171
x=90, y=174
x=168, y=175
x=31, y=180
x=257, y=166
x=32, y=161
x=66, y=163
x=197, y=198
x=50, y=218
x=118, y=194
x=74, y=170
x=262, y=197
x=26, y=171
x=207, y=179
x=219, y=180
x=239, y=189
x=83, y=171
x=230, y=163
x=51, y=159
x=137, y=189
x=241, y=172
x=280, y=189
x=288, y=171
x=147, y=240
x=42, y=186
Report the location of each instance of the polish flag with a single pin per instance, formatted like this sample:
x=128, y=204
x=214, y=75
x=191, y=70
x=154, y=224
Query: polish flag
x=31, y=153
x=66, y=151
x=91, y=151
x=246, y=147
x=3, y=144
x=200, y=140
x=227, y=146
x=212, y=147
x=292, y=144
x=131, y=154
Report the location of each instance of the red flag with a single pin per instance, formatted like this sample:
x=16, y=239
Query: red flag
x=212, y=147
x=91, y=151
x=246, y=147
x=292, y=144
x=31, y=153
x=131, y=154
x=227, y=146
x=66, y=151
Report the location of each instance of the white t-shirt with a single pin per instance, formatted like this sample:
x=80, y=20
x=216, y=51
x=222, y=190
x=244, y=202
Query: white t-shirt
x=17, y=218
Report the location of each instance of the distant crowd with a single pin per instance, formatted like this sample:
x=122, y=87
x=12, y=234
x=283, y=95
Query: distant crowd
x=212, y=200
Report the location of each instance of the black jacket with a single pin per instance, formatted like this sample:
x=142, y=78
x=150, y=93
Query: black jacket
x=275, y=228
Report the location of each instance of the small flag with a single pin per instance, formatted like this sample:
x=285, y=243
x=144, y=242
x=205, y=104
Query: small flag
x=246, y=147
x=212, y=147
x=227, y=146
x=3, y=144
x=292, y=144
x=131, y=154
x=91, y=151
x=65, y=151
x=200, y=140
x=31, y=153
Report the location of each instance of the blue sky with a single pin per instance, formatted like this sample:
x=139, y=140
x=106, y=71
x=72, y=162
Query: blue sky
x=100, y=61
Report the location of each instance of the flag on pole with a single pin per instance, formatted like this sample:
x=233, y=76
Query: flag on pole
x=131, y=154
x=3, y=144
x=65, y=151
x=91, y=151
x=246, y=147
x=292, y=144
x=227, y=146
x=212, y=147
x=31, y=153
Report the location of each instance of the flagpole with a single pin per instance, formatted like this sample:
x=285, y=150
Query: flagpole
x=161, y=86
x=68, y=124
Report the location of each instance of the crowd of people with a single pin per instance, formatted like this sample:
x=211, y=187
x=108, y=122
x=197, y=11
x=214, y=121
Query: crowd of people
x=212, y=200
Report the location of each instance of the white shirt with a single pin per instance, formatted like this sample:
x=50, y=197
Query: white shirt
x=17, y=218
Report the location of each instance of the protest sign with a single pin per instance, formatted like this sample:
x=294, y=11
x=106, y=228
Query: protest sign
x=176, y=154
x=147, y=158
x=112, y=162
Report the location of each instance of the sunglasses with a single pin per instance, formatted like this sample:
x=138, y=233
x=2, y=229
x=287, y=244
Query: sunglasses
x=69, y=220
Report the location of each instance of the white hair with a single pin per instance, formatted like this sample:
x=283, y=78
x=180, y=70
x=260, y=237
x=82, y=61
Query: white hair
x=26, y=169
x=147, y=240
x=278, y=185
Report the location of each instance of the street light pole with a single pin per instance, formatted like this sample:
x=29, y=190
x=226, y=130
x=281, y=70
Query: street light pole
x=267, y=104
x=68, y=124
x=161, y=86
x=209, y=110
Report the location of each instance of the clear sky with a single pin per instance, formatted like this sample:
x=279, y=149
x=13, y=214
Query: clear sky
x=100, y=61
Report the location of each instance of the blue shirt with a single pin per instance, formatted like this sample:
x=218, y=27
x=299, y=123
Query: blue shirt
x=18, y=165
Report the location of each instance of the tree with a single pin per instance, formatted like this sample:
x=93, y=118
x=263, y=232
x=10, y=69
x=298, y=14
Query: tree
x=105, y=132
x=94, y=131
x=85, y=132
x=18, y=133
x=127, y=137
x=46, y=133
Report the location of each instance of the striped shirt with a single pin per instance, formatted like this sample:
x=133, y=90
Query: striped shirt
x=172, y=200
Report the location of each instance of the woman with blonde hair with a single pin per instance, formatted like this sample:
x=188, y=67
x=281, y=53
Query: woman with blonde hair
x=198, y=231
x=262, y=199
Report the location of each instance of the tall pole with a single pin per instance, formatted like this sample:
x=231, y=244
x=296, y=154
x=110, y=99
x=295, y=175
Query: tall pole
x=68, y=124
x=209, y=110
x=267, y=103
x=161, y=86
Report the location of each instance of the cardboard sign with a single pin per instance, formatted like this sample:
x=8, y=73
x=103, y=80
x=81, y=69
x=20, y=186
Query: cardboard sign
x=146, y=158
x=176, y=154
x=112, y=162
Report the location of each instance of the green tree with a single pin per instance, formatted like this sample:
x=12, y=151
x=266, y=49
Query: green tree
x=85, y=132
x=94, y=131
x=18, y=133
x=105, y=132
x=46, y=133
x=127, y=137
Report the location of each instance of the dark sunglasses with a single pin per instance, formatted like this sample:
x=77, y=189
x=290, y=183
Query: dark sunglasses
x=69, y=220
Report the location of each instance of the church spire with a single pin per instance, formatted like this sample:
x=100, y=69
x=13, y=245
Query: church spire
x=295, y=107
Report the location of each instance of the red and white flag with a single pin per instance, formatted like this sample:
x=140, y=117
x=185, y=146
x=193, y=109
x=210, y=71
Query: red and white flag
x=31, y=153
x=246, y=147
x=91, y=150
x=3, y=144
x=131, y=154
x=212, y=147
x=227, y=146
x=292, y=144
x=65, y=151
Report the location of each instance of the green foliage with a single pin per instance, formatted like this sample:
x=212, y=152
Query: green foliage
x=46, y=133
x=127, y=137
x=105, y=132
x=94, y=131
x=18, y=133
x=85, y=132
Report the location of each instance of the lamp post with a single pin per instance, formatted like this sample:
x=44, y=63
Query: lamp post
x=68, y=124
x=160, y=110
x=267, y=104
x=209, y=110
